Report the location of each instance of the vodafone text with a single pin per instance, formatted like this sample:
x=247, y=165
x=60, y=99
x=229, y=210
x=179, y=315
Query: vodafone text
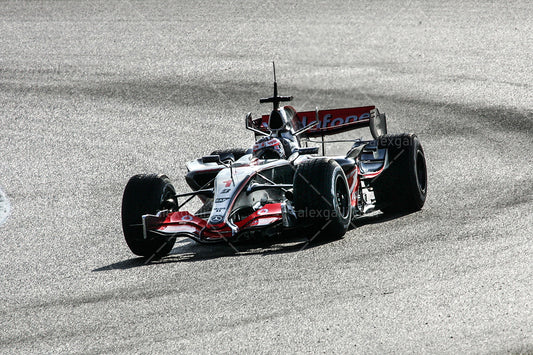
x=327, y=120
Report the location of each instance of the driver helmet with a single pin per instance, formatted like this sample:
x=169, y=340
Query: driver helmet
x=269, y=148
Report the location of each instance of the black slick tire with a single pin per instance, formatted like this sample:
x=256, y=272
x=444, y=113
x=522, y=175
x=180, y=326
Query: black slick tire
x=146, y=194
x=402, y=187
x=322, y=198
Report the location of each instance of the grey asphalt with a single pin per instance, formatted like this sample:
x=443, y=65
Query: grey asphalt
x=93, y=93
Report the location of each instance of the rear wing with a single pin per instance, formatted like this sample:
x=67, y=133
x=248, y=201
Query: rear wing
x=334, y=121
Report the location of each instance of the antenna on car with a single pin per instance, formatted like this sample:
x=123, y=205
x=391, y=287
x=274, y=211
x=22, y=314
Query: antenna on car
x=276, y=99
x=275, y=81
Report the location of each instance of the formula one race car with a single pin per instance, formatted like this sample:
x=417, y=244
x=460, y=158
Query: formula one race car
x=280, y=183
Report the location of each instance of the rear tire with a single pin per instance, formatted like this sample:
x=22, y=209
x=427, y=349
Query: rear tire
x=322, y=198
x=146, y=194
x=402, y=187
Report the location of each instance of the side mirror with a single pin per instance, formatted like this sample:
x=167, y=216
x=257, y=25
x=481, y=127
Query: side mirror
x=378, y=124
x=249, y=124
x=211, y=159
x=309, y=150
x=306, y=128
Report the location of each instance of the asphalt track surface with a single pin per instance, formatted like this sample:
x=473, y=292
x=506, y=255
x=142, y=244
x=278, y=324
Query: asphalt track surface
x=94, y=93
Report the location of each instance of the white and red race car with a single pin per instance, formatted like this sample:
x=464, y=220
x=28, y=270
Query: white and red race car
x=280, y=183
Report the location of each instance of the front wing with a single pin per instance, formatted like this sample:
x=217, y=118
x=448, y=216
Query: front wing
x=185, y=224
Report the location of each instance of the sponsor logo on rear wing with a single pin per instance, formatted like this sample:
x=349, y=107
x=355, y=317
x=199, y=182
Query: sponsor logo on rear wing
x=331, y=121
x=336, y=120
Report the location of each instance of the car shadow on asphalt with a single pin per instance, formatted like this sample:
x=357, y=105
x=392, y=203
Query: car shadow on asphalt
x=375, y=218
x=186, y=250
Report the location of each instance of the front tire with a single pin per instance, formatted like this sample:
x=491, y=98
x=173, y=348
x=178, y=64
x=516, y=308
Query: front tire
x=146, y=194
x=322, y=198
x=402, y=187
